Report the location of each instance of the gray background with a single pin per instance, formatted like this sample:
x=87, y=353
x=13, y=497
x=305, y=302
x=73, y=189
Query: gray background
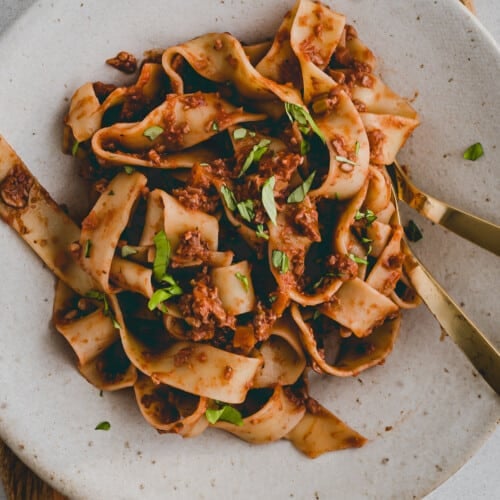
x=479, y=479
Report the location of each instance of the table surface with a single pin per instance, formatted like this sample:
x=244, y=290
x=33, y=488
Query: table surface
x=479, y=478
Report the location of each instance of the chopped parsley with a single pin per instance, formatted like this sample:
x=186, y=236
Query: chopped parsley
x=300, y=192
x=226, y=414
x=88, y=246
x=75, y=147
x=369, y=216
x=301, y=115
x=280, y=261
x=129, y=169
x=229, y=198
x=246, y=210
x=153, y=132
x=103, y=426
x=474, y=152
x=255, y=154
x=260, y=232
x=244, y=281
x=127, y=250
x=358, y=260
x=413, y=232
x=162, y=255
x=268, y=198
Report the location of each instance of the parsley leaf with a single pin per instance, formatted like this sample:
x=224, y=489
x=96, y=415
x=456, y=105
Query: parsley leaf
x=227, y=414
x=153, y=132
x=75, y=147
x=280, y=261
x=240, y=133
x=474, y=152
x=127, y=250
x=301, y=115
x=300, y=192
x=86, y=251
x=413, y=232
x=229, y=198
x=245, y=208
x=244, y=281
x=255, y=154
x=260, y=232
x=103, y=426
x=162, y=256
x=358, y=260
x=268, y=198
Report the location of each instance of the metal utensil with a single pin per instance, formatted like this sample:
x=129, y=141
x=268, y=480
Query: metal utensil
x=477, y=230
x=481, y=352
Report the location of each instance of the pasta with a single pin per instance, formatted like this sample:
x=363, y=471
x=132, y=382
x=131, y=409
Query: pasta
x=241, y=234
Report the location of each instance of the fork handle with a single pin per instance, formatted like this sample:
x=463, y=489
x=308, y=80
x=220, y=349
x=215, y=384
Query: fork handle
x=477, y=230
x=480, y=351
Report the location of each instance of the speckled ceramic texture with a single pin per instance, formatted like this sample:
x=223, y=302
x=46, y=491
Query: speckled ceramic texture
x=425, y=411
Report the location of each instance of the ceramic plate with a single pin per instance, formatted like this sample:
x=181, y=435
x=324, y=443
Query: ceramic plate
x=426, y=411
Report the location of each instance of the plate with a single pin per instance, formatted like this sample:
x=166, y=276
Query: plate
x=426, y=411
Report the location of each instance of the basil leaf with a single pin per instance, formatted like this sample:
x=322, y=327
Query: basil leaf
x=305, y=147
x=162, y=256
x=357, y=259
x=255, y=154
x=127, y=250
x=101, y=297
x=153, y=132
x=157, y=299
x=280, y=261
x=245, y=208
x=103, y=426
x=229, y=198
x=129, y=169
x=226, y=414
x=301, y=115
x=268, y=198
x=75, y=147
x=413, y=232
x=343, y=159
x=300, y=192
x=240, y=133
x=474, y=152
x=86, y=251
x=369, y=216
x=244, y=281
x=260, y=232
x=369, y=242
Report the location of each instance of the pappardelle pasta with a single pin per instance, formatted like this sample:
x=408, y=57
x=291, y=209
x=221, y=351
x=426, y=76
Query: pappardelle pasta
x=241, y=232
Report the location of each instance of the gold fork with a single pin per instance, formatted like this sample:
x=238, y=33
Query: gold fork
x=477, y=230
x=481, y=352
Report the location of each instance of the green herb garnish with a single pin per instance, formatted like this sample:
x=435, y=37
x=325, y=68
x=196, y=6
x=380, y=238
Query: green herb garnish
x=129, y=169
x=367, y=241
x=153, y=132
x=343, y=159
x=369, y=216
x=474, y=152
x=245, y=208
x=162, y=295
x=260, y=232
x=299, y=193
x=255, y=154
x=103, y=426
x=240, y=133
x=229, y=198
x=316, y=315
x=301, y=115
x=127, y=250
x=357, y=145
x=305, y=147
x=162, y=255
x=413, y=232
x=358, y=260
x=268, y=198
x=226, y=414
x=215, y=126
x=280, y=261
x=75, y=147
x=101, y=297
x=86, y=251
x=244, y=281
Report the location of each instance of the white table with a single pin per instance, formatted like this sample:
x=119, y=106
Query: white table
x=479, y=479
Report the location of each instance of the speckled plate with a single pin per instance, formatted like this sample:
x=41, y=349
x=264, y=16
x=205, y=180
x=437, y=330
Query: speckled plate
x=425, y=411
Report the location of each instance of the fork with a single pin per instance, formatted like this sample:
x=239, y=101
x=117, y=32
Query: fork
x=479, y=231
x=474, y=344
